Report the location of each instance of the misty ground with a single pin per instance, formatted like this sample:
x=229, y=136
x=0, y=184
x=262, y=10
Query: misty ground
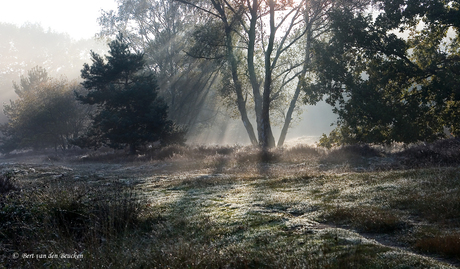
x=221, y=207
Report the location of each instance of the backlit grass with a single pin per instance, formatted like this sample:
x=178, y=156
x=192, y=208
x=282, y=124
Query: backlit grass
x=281, y=214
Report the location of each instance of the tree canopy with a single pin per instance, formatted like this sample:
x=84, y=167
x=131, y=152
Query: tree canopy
x=161, y=30
x=393, y=75
x=265, y=48
x=46, y=113
x=129, y=110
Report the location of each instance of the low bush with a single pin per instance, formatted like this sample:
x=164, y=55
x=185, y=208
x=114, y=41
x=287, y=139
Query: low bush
x=351, y=153
x=167, y=152
x=303, y=150
x=442, y=153
x=252, y=155
x=6, y=183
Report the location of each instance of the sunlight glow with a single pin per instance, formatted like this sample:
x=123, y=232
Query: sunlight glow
x=77, y=18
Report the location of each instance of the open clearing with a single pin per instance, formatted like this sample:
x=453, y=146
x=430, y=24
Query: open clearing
x=225, y=209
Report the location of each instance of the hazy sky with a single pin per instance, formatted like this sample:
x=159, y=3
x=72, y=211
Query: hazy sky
x=78, y=18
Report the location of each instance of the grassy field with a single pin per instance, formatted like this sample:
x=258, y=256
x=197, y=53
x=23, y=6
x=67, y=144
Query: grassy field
x=221, y=207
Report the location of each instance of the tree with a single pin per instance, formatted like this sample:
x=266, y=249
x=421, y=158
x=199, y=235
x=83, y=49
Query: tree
x=45, y=115
x=388, y=87
x=161, y=29
x=30, y=45
x=267, y=85
x=129, y=111
x=258, y=50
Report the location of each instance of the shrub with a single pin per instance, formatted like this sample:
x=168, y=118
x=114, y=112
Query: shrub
x=442, y=152
x=168, y=152
x=99, y=217
x=252, y=155
x=6, y=184
x=351, y=153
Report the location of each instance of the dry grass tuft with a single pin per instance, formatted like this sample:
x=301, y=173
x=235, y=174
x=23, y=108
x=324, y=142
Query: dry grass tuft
x=351, y=153
x=76, y=220
x=168, y=152
x=367, y=219
x=303, y=150
x=447, y=245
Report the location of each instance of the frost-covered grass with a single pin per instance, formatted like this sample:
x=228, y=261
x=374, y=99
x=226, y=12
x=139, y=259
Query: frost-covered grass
x=225, y=209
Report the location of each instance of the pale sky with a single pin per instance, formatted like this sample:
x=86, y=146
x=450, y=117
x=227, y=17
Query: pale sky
x=78, y=18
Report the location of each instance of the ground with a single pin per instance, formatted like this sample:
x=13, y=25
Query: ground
x=220, y=207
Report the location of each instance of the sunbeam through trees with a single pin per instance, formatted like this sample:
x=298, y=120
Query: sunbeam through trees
x=175, y=145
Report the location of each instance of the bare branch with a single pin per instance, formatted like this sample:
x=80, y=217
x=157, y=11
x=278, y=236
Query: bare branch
x=198, y=7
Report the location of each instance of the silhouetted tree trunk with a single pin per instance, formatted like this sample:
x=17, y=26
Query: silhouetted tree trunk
x=238, y=89
x=266, y=139
x=241, y=102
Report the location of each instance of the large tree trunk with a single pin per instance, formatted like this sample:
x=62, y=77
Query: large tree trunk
x=241, y=103
x=261, y=102
x=238, y=88
x=266, y=138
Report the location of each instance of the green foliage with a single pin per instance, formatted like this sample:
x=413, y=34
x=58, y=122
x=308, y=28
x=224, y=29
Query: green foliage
x=387, y=88
x=45, y=115
x=335, y=138
x=129, y=111
x=162, y=30
x=208, y=41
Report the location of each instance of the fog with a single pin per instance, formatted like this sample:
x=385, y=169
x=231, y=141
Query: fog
x=314, y=121
x=25, y=47
x=30, y=45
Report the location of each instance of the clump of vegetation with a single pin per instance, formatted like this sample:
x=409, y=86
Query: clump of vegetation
x=76, y=220
x=45, y=115
x=447, y=245
x=6, y=183
x=302, y=150
x=351, y=153
x=442, y=152
x=167, y=152
x=367, y=219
